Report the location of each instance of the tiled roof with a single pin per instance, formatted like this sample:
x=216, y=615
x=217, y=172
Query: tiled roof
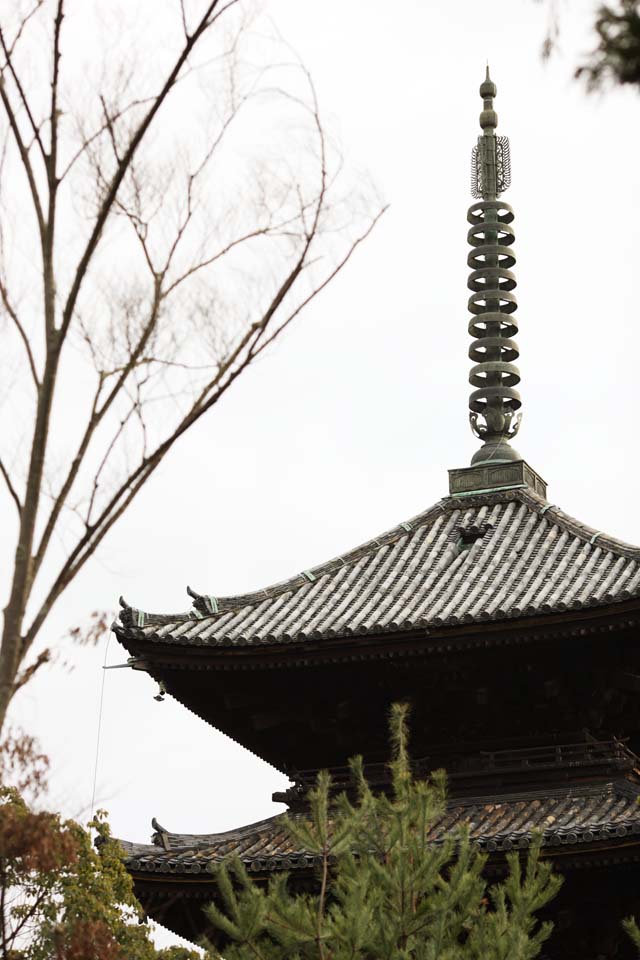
x=466, y=560
x=566, y=817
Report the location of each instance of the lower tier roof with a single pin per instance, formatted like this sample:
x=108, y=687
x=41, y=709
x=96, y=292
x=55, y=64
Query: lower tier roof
x=568, y=817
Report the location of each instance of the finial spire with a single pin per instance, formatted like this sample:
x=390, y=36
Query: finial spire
x=490, y=161
x=494, y=404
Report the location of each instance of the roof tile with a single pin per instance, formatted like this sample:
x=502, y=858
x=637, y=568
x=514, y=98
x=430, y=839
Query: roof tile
x=490, y=557
x=577, y=815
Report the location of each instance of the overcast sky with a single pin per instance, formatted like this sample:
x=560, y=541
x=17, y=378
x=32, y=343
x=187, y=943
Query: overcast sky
x=349, y=425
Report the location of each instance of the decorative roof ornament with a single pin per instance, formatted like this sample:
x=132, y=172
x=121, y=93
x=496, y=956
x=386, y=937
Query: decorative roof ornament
x=491, y=158
x=494, y=404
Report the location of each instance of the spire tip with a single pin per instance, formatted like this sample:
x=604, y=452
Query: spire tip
x=488, y=89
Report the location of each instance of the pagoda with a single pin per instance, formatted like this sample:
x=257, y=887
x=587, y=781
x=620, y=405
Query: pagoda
x=509, y=627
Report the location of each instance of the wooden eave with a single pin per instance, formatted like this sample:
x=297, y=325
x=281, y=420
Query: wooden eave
x=156, y=655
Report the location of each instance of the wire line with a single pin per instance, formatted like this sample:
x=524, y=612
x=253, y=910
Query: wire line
x=95, y=768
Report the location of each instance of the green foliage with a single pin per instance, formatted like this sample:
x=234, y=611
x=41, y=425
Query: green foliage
x=384, y=891
x=632, y=928
x=60, y=897
x=616, y=58
x=178, y=953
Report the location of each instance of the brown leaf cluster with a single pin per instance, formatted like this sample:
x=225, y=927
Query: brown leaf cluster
x=89, y=938
x=91, y=632
x=22, y=765
x=33, y=841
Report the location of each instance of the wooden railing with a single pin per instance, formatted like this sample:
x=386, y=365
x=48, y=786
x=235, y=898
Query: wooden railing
x=612, y=754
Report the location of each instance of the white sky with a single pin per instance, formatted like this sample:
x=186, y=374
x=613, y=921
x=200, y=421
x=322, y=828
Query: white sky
x=349, y=425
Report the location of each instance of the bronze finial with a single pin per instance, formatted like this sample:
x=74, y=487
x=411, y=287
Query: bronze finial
x=490, y=159
x=494, y=404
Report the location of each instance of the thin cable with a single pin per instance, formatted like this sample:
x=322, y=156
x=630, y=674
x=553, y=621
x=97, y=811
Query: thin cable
x=95, y=768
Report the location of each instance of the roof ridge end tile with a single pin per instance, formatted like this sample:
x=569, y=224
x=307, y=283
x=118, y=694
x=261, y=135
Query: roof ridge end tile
x=309, y=575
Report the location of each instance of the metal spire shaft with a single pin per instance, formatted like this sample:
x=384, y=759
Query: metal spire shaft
x=494, y=404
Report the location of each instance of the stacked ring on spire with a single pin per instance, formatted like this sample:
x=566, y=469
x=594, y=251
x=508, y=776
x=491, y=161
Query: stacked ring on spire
x=493, y=325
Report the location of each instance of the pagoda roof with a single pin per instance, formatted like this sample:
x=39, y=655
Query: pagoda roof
x=499, y=555
x=567, y=817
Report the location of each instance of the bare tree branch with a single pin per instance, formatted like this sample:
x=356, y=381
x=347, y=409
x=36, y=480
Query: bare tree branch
x=219, y=254
x=183, y=15
x=327, y=280
x=207, y=19
x=24, y=23
x=96, y=531
x=51, y=165
x=26, y=675
x=87, y=141
x=195, y=255
x=10, y=487
x=24, y=156
x=96, y=416
x=8, y=56
x=4, y=295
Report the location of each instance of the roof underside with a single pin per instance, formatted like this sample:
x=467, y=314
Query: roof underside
x=566, y=817
x=490, y=557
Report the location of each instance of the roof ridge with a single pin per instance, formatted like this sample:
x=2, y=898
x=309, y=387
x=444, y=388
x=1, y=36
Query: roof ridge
x=235, y=832
x=591, y=535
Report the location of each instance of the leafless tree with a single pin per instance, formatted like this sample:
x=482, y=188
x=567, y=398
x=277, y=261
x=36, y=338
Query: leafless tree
x=162, y=220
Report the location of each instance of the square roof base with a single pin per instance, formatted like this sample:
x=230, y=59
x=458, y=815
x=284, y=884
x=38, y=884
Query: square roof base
x=486, y=477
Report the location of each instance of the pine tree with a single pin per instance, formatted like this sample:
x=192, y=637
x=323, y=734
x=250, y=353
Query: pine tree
x=632, y=928
x=616, y=58
x=385, y=889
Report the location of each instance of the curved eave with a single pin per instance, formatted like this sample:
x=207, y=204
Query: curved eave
x=152, y=651
x=567, y=855
x=578, y=854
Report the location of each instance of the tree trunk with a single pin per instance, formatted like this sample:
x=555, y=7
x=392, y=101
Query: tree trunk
x=13, y=650
x=9, y=662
